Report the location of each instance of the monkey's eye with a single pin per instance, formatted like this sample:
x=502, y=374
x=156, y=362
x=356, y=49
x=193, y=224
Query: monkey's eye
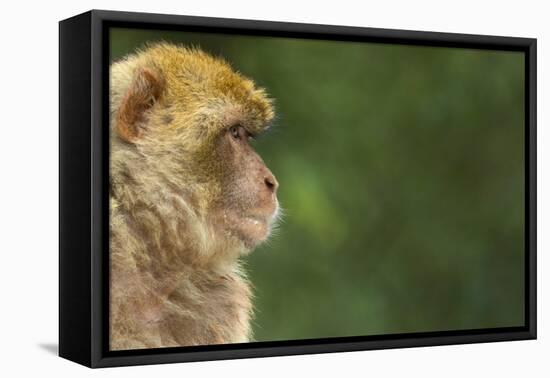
x=235, y=132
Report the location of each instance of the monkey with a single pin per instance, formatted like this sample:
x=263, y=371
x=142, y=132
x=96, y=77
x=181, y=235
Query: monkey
x=189, y=198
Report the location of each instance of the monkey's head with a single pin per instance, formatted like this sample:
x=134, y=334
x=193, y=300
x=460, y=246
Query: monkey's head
x=182, y=123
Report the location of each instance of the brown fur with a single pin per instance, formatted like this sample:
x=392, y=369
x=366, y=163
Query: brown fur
x=188, y=197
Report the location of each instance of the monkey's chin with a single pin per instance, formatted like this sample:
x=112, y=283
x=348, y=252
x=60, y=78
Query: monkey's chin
x=252, y=231
x=249, y=229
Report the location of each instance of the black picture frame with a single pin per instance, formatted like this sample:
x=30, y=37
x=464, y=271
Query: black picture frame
x=83, y=181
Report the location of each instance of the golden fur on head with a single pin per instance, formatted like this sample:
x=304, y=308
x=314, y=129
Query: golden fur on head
x=188, y=196
x=198, y=88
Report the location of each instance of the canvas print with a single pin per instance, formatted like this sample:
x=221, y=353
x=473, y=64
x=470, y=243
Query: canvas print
x=269, y=188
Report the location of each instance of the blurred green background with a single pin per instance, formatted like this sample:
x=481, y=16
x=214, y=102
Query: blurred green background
x=402, y=180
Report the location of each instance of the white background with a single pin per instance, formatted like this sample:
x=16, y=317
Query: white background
x=29, y=186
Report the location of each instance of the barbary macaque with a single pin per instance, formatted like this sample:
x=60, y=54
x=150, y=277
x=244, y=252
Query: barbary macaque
x=188, y=198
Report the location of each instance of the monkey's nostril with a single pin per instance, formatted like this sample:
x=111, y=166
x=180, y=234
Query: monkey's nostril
x=271, y=183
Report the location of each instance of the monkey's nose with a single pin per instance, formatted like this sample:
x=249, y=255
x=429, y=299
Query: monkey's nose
x=271, y=183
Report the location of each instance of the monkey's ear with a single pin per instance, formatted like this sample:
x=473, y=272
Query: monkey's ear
x=145, y=90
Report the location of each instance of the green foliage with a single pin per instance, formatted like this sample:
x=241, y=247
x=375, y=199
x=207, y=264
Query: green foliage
x=401, y=172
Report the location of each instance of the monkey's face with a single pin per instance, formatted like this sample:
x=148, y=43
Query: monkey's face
x=192, y=118
x=247, y=206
